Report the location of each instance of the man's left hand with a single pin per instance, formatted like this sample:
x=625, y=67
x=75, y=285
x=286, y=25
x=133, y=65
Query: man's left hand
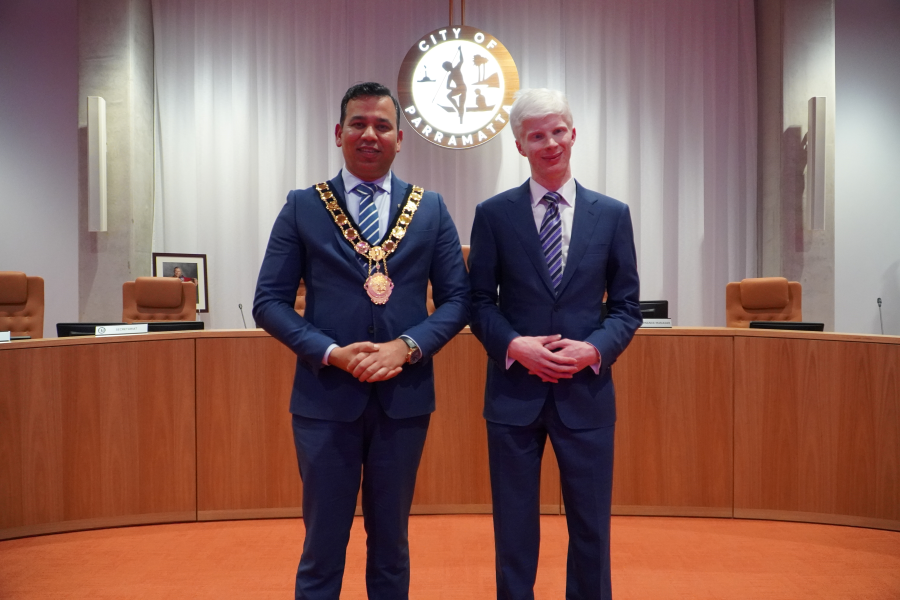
x=584, y=354
x=382, y=364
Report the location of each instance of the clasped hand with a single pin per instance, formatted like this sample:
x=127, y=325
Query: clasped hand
x=370, y=362
x=552, y=357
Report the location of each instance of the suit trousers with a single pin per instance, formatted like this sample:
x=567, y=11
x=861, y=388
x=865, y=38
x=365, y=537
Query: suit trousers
x=333, y=456
x=585, y=458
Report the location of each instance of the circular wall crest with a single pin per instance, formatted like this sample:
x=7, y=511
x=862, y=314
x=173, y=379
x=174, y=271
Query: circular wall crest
x=456, y=86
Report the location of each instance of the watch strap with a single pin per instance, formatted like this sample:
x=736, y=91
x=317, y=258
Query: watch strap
x=414, y=353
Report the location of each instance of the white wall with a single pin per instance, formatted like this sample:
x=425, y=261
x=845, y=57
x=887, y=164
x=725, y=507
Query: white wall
x=39, y=149
x=39, y=145
x=663, y=94
x=867, y=171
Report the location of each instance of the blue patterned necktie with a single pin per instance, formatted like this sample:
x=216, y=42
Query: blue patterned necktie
x=368, y=214
x=551, y=237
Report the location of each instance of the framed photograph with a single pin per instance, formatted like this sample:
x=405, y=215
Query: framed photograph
x=187, y=267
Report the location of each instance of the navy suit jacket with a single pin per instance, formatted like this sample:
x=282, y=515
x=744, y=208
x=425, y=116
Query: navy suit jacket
x=306, y=244
x=512, y=295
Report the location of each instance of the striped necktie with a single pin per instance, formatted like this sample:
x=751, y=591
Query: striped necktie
x=551, y=237
x=368, y=214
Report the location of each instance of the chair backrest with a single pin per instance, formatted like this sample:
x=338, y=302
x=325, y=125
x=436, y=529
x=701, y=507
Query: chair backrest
x=300, y=302
x=159, y=299
x=21, y=304
x=762, y=299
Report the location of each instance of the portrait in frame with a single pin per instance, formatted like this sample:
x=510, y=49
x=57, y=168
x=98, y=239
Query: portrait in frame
x=187, y=267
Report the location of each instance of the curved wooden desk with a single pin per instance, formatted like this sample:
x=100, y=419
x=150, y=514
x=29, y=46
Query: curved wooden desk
x=194, y=426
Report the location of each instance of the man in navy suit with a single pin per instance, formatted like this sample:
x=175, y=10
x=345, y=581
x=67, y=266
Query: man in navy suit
x=366, y=244
x=542, y=255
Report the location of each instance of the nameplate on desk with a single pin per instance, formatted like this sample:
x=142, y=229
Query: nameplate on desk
x=657, y=323
x=120, y=329
x=5, y=336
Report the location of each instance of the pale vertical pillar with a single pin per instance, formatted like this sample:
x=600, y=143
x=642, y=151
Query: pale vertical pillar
x=116, y=62
x=796, y=62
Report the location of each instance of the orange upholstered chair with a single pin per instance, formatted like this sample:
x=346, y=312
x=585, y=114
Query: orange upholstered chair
x=159, y=299
x=300, y=302
x=762, y=299
x=21, y=304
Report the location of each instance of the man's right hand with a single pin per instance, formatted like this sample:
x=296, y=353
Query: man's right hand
x=347, y=357
x=531, y=354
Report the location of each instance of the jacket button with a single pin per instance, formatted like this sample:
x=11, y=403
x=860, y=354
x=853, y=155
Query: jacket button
x=371, y=329
x=555, y=308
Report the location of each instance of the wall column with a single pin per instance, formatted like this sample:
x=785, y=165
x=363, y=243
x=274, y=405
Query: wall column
x=116, y=62
x=795, y=46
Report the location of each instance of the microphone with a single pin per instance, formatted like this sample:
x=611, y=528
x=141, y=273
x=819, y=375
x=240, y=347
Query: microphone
x=241, y=308
x=879, y=316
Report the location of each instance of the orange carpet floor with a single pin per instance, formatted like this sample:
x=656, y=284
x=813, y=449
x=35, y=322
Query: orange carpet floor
x=452, y=558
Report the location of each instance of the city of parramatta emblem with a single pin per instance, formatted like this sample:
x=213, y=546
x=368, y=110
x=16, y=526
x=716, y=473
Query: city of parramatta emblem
x=456, y=86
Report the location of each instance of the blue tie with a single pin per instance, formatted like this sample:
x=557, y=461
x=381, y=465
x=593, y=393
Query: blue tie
x=368, y=214
x=551, y=237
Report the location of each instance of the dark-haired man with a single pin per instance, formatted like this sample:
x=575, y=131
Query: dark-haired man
x=366, y=245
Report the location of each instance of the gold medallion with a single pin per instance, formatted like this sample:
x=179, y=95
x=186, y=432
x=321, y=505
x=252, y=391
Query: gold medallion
x=379, y=287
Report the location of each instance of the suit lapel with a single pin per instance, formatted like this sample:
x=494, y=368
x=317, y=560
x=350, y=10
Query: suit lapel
x=521, y=217
x=337, y=184
x=583, y=222
x=398, y=194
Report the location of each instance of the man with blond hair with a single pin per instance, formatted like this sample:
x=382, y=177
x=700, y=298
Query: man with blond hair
x=542, y=256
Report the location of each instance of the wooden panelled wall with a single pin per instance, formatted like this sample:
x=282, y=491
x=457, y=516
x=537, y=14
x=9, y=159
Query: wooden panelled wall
x=194, y=426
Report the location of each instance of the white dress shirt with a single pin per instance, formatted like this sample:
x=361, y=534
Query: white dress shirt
x=566, y=208
x=382, y=198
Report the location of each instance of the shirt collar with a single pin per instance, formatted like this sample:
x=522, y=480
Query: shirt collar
x=351, y=181
x=566, y=192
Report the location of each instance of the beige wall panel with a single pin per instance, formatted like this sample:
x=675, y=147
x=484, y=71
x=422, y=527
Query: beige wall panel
x=551, y=487
x=245, y=446
x=101, y=432
x=454, y=475
x=31, y=438
x=816, y=427
x=129, y=444
x=454, y=467
x=674, y=427
x=98, y=431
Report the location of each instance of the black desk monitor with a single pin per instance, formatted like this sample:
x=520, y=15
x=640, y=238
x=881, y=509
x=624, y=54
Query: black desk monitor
x=73, y=329
x=650, y=309
x=655, y=309
x=788, y=325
